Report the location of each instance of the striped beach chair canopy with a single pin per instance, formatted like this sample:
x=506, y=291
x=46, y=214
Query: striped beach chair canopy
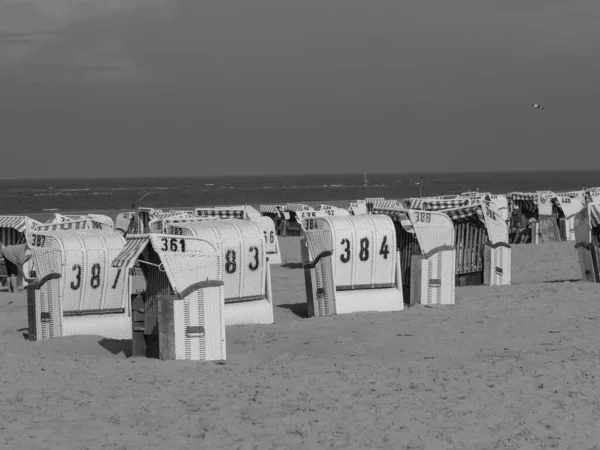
x=496, y=227
x=59, y=218
x=187, y=212
x=13, y=228
x=238, y=213
x=415, y=203
x=466, y=213
x=158, y=223
x=271, y=209
x=391, y=204
x=594, y=214
x=486, y=196
x=526, y=200
x=250, y=211
x=296, y=207
x=571, y=194
x=397, y=215
x=443, y=197
x=580, y=195
x=162, y=216
x=374, y=200
x=428, y=204
x=134, y=246
x=84, y=224
x=150, y=211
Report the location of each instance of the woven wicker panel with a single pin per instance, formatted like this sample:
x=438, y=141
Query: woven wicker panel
x=361, y=273
x=47, y=298
x=434, y=270
x=500, y=266
x=189, y=312
x=320, y=241
x=187, y=260
x=497, y=228
x=93, y=296
x=308, y=220
x=242, y=247
x=89, y=281
x=364, y=253
x=434, y=279
x=268, y=228
x=433, y=229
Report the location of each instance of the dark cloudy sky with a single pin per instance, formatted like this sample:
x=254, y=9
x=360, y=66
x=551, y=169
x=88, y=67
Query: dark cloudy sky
x=190, y=87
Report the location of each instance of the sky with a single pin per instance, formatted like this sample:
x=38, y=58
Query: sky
x=111, y=88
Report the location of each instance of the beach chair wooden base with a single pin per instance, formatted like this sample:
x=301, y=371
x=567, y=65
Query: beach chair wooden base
x=432, y=278
x=469, y=279
x=588, y=256
x=138, y=339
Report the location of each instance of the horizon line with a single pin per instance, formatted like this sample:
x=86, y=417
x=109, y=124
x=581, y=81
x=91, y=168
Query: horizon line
x=298, y=174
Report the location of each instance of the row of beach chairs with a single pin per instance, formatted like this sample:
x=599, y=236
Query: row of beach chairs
x=172, y=281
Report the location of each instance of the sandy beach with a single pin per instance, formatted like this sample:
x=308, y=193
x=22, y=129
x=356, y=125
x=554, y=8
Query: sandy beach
x=506, y=367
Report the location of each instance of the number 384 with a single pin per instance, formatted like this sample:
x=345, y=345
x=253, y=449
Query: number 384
x=364, y=251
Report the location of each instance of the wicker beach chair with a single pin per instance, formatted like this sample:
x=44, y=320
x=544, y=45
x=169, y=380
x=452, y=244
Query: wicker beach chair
x=427, y=252
x=77, y=292
x=351, y=264
x=181, y=313
x=247, y=274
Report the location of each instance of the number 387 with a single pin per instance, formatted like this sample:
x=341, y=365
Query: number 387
x=363, y=251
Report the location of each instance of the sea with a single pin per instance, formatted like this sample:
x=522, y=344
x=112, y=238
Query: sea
x=25, y=197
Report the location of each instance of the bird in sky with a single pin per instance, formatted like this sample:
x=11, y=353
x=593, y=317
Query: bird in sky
x=537, y=106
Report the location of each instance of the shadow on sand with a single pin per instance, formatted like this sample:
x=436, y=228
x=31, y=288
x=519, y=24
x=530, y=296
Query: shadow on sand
x=116, y=346
x=297, y=308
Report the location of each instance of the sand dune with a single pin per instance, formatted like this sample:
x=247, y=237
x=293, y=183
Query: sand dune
x=506, y=367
